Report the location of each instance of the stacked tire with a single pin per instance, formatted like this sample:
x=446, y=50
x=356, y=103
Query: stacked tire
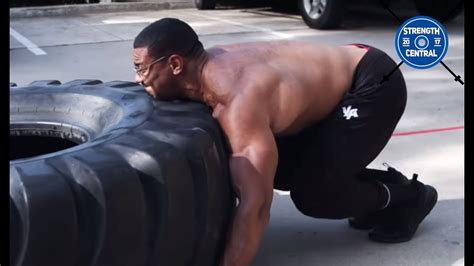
x=144, y=182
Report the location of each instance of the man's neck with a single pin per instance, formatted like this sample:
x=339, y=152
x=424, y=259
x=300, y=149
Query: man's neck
x=195, y=84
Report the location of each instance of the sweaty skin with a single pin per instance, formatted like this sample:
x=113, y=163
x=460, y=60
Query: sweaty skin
x=258, y=91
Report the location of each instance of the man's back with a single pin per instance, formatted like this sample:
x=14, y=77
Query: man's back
x=295, y=83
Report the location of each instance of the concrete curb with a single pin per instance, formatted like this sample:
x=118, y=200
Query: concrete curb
x=67, y=10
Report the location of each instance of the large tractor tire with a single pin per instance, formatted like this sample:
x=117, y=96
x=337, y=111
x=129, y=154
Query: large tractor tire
x=102, y=174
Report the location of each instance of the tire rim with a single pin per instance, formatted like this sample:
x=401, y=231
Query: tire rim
x=29, y=139
x=314, y=8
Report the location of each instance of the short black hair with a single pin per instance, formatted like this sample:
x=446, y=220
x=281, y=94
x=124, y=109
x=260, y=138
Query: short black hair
x=169, y=36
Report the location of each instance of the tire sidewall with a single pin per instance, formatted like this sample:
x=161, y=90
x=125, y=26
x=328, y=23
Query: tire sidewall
x=140, y=103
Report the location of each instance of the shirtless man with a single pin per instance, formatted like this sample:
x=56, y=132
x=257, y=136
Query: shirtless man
x=297, y=116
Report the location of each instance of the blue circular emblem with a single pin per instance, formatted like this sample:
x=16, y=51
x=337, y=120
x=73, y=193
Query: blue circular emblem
x=421, y=42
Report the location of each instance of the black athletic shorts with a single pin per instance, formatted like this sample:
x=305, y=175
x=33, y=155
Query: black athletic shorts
x=321, y=164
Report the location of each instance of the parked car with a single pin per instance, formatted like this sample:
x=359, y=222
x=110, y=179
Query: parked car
x=326, y=14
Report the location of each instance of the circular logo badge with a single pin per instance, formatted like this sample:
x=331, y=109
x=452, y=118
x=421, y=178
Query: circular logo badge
x=421, y=42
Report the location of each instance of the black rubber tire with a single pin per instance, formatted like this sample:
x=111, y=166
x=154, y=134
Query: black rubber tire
x=205, y=4
x=441, y=10
x=330, y=18
x=149, y=186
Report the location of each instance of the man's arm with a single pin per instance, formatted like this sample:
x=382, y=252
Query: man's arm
x=253, y=164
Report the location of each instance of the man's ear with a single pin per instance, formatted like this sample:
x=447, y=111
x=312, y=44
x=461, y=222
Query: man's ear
x=176, y=64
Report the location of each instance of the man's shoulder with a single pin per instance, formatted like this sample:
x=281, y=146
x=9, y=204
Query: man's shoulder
x=242, y=106
x=234, y=75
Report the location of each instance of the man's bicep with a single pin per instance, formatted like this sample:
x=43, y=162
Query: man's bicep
x=249, y=135
x=253, y=169
x=254, y=155
x=262, y=152
x=253, y=162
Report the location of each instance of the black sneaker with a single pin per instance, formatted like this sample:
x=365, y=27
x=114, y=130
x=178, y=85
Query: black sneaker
x=407, y=217
x=371, y=220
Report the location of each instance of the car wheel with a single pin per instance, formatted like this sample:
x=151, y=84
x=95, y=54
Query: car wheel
x=322, y=14
x=102, y=174
x=205, y=4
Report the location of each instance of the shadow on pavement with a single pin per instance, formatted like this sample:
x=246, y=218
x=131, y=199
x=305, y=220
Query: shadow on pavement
x=294, y=239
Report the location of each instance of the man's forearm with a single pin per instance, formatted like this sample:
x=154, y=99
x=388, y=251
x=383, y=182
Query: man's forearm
x=246, y=232
x=255, y=193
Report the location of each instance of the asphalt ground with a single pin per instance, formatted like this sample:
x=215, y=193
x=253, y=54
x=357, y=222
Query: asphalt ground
x=429, y=139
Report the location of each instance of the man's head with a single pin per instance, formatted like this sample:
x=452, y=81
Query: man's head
x=161, y=51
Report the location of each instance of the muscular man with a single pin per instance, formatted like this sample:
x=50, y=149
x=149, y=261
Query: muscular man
x=297, y=116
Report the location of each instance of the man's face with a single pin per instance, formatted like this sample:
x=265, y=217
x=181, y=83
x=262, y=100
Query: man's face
x=155, y=75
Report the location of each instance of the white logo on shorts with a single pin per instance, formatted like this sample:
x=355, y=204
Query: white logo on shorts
x=349, y=112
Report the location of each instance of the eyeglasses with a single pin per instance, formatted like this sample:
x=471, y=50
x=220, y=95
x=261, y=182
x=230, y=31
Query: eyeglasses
x=141, y=72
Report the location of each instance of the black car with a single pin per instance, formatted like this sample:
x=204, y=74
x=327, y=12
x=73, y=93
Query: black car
x=326, y=14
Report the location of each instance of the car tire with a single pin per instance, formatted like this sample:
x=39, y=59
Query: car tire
x=327, y=14
x=441, y=10
x=144, y=182
x=205, y=4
